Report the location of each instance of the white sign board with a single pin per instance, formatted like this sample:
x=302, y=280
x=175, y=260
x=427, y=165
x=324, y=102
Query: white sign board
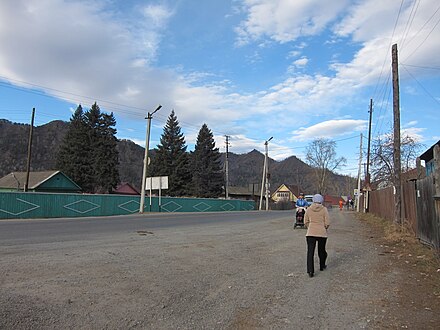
x=156, y=183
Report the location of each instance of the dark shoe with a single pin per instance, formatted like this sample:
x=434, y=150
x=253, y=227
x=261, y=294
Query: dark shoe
x=310, y=274
x=323, y=267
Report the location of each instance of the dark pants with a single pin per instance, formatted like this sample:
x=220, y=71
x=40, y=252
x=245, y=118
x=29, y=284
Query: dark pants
x=311, y=243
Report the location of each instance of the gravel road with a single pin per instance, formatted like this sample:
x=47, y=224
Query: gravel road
x=234, y=276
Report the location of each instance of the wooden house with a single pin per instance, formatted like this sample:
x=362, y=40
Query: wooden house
x=286, y=193
x=44, y=181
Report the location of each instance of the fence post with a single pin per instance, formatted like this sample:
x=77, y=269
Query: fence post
x=437, y=170
x=436, y=156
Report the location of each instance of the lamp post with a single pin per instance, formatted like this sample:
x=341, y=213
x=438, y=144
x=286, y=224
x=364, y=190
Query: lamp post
x=147, y=145
x=265, y=180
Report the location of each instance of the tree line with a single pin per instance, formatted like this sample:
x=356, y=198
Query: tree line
x=88, y=155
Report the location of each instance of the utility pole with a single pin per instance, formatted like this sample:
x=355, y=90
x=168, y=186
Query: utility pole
x=147, y=146
x=28, y=165
x=358, y=197
x=227, y=166
x=265, y=180
x=396, y=146
x=262, y=183
x=367, y=175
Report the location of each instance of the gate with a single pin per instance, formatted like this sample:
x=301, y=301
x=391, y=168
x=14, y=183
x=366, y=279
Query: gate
x=428, y=223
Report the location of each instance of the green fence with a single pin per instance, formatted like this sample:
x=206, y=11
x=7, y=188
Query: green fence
x=47, y=205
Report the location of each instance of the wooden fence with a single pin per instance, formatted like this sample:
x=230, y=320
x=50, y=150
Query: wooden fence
x=420, y=208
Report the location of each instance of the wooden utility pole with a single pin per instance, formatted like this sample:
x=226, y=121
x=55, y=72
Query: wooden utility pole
x=367, y=175
x=358, y=197
x=28, y=165
x=227, y=167
x=396, y=148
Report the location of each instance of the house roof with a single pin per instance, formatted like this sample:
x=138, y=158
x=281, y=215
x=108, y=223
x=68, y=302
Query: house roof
x=429, y=154
x=36, y=179
x=243, y=191
x=127, y=189
x=294, y=189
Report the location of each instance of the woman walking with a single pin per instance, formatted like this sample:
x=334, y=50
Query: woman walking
x=317, y=222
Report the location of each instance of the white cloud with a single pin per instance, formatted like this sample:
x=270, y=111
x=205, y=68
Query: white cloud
x=157, y=15
x=286, y=20
x=411, y=123
x=301, y=62
x=293, y=53
x=413, y=132
x=329, y=129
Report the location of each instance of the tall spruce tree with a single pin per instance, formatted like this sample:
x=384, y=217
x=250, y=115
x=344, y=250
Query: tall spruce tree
x=208, y=177
x=88, y=153
x=73, y=158
x=104, y=152
x=172, y=160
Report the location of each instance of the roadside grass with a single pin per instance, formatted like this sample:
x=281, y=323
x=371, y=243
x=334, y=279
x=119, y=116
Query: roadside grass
x=401, y=241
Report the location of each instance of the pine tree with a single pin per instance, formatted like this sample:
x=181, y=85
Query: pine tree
x=88, y=153
x=208, y=178
x=73, y=158
x=171, y=159
x=104, y=152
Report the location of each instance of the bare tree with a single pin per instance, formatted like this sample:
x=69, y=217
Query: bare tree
x=382, y=166
x=321, y=155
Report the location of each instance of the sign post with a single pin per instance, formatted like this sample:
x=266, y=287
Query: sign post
x=157, y=183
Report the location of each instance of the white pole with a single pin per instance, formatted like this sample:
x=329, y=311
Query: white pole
x=144, y=172
x=262, y=184
x=267, y=179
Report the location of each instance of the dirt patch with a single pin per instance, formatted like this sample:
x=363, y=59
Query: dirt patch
x=416, y=293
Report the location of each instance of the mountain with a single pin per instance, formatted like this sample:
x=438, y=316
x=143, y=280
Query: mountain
x=244, y=169
x=45, y=143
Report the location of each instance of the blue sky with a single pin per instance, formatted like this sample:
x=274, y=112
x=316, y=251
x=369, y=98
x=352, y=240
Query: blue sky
x=251, y=69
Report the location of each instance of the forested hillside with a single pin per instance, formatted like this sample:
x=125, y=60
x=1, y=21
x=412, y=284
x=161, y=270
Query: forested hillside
x=244, y=169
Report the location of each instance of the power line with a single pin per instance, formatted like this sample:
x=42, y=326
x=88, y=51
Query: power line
x=421, y=67
x=426, y=91
x=389, y=47
x=411, y=17
x=424, y=40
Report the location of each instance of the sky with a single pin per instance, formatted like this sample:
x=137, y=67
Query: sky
x=294, y=70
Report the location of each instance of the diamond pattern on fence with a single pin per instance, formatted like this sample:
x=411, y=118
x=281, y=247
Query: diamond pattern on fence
x=130, y=206
x=202, y=206
x=171, y=206
x=82, y=206
x=35, y=206
x=227, y=207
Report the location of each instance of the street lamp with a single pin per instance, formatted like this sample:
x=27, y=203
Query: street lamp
x=265, y=177
x=147, y=146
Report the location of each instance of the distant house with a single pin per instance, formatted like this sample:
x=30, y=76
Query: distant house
x=125, y=189
x=243, y=193
x=330, y=201
x=44, y=181
x=286, y=193
x=428, y=157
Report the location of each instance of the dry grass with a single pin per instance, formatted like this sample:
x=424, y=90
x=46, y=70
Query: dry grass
x=404, y=243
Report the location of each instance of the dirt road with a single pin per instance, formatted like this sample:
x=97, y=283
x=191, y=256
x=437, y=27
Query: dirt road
x=239, y=276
